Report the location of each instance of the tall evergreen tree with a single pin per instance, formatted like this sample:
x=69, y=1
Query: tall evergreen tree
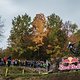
x=20, y=30
x=57, y=36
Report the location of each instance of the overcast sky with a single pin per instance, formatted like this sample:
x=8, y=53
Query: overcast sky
x=66, y=9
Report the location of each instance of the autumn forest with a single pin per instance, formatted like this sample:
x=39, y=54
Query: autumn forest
x=41, y=38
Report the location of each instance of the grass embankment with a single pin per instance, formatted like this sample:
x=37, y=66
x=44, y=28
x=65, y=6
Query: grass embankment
x=16, y=73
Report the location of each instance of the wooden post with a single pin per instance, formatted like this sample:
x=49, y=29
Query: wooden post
x=6, y=71
x=23, y=71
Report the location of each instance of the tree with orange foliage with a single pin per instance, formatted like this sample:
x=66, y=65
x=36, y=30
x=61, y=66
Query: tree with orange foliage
x=39, y=28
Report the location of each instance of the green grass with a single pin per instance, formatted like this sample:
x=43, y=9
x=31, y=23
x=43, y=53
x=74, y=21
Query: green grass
x=15, y=73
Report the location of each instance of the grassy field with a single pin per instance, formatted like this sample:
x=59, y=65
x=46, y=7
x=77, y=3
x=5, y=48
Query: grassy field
x=22, y=73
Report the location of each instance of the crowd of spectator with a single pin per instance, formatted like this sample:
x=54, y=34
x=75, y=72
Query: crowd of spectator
x=7, y=61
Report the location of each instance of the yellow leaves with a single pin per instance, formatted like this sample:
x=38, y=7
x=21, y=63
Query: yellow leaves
x=57, y=51
x=35, y=48
x=39, y=26
x=39, y=23
x=40, y=17
x=57, y=47
x=38, y=39
x=30, y=47
x=49, y=51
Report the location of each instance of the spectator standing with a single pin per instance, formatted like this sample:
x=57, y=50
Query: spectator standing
x=47, y=65
x=9, y=61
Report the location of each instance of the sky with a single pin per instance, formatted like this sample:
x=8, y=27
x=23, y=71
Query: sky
x=66, y=9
